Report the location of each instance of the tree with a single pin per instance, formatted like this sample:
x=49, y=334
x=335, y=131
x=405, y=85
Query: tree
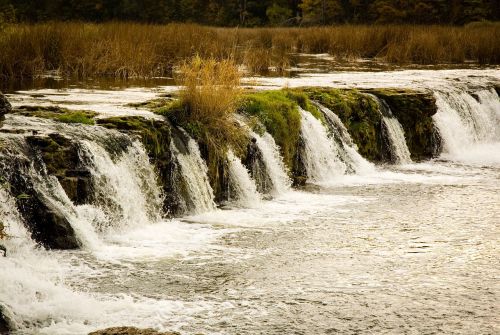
x=278, y=15
x=322, y=11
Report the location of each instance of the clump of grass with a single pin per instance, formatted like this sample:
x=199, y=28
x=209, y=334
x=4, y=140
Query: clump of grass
x=207, y=103
x=57, y=113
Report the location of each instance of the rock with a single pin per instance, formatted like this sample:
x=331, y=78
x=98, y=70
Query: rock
x=46, y=223
x=4, y=322
x=255, y=164
x=63, y=159
x=130, y=331
x=414, y=111
x=5, y=107
x=360, y=115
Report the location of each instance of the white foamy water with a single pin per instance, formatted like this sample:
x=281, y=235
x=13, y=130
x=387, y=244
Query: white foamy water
x=273, y=161
x=320, y=151
x=348, y=150
x=242, y=189
x=126, y=188
x=469, y=127
x=194, y=171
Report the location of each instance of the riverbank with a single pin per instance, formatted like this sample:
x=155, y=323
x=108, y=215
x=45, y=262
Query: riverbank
x=126, y=50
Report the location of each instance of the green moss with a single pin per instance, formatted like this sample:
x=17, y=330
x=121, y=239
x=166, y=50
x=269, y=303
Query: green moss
x=151, y=104
x=58, y=113
x=359, y=113
x=280, y=115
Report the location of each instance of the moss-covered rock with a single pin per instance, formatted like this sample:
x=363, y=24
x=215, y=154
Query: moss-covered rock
x=280, y=116
x=58, y=113
x=359, y=113
x=62, y=159
x=414, y=111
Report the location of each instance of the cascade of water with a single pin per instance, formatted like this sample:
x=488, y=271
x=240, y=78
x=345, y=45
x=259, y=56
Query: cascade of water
x=398, y=149
x=125, y=189
x=321, y=153
x=348, y=152
x=242, y=189
x=468, y=124
x=195, y=173
x=275, y=168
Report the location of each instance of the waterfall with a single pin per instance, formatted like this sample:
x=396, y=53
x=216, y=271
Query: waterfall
x=348, y=152
x=394, y=134
x=275, y=168
x=321, y=152
x=126, y=188
x=469, y=124
x=242, y=189
x=195, y=174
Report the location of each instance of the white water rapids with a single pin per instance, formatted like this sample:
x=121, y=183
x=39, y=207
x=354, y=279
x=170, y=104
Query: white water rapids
x=396, y=249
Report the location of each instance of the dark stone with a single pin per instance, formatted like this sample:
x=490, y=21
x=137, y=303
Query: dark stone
x=299, y=171
x=497, y=89
x=255, y=164
x=5, y=107
x=130, y=331
x=4, y=323
x=46, y=223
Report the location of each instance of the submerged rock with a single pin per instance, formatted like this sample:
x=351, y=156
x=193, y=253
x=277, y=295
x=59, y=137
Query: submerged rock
x=130, y=331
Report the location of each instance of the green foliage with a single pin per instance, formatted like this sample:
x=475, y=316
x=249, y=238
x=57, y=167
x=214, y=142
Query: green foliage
x=278, y=15
x=57, y=113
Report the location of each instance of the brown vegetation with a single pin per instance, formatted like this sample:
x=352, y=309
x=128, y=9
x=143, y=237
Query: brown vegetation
x=139, y=50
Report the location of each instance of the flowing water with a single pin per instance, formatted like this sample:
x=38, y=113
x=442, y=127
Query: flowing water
x=242, y=189
x=401, y=249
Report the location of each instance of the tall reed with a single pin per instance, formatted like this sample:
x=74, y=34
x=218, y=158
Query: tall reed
x=140, y=50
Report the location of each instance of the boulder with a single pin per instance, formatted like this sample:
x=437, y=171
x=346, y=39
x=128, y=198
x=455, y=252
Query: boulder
x=130, y=331
x=5, y=107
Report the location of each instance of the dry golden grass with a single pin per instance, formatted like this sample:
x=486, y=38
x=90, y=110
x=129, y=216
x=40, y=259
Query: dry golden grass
x=141, y=50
